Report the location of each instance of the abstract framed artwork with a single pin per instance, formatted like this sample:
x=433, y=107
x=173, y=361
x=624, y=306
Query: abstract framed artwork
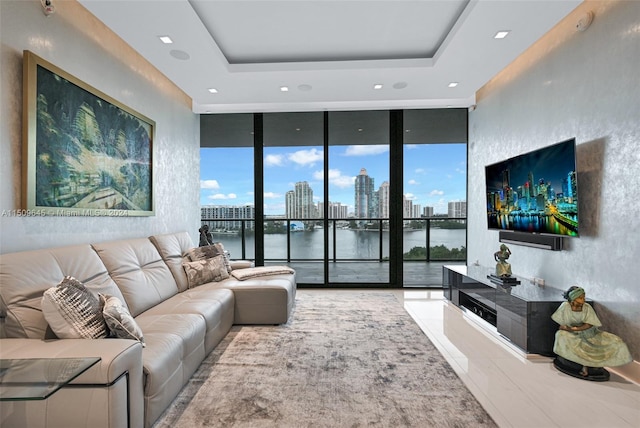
x=84, y=153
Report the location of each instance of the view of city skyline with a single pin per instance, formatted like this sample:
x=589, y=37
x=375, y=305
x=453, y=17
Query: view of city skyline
x=434, y=174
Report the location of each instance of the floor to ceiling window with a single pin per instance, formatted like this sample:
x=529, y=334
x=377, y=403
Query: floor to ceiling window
x=293, y=179
x=227, y=181
x=435, y=189
x=358, y=196
x=354, y=198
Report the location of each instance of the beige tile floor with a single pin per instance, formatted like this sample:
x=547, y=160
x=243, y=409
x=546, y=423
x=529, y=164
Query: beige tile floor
x=518, y=391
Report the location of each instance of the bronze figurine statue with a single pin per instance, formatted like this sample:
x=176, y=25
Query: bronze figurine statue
x=503, y=268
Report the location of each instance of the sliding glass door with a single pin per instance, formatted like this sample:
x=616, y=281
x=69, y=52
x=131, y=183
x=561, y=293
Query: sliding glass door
x=293, y=177
x=358, y=202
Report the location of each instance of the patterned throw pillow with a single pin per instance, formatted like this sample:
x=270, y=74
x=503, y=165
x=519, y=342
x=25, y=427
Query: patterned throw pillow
x=119, y=320
x=201, y=253
x=207, y=270
x=227, y=256
x=73, y=312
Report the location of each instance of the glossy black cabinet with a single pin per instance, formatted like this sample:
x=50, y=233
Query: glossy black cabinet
x=521, y=313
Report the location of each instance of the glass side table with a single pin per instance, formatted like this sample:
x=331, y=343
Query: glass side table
x=39, y=378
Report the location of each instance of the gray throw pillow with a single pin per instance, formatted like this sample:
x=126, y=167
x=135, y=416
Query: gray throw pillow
x=119, y=320
x=201, y=253
x=72, y=311
x=207, y=270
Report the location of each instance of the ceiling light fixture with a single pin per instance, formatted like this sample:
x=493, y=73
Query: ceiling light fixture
x=377, y=86
x=213, y=90
x=501, y=34
x=453, y=84
x=284, y=88
x=165, y=39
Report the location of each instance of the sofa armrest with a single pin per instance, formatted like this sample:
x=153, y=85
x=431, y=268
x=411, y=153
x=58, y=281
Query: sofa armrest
x=118, y=373
x=241, y=264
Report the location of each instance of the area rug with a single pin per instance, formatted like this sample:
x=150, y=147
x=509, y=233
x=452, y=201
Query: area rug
x=344, y=359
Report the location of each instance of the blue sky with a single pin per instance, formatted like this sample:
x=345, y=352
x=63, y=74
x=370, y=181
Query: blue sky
x=434, y=174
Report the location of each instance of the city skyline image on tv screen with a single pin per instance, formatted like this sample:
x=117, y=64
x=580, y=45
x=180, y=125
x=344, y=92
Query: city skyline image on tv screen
x=536, y=192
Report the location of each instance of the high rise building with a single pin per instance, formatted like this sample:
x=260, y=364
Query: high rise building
x=336, y=210
x=290, y=204
x=232, y=214
x=416, y=211
x=363, y=195
x=457, y=209
x=383, y=200
x=303, y=206
x=407, y=207
x=427, y=211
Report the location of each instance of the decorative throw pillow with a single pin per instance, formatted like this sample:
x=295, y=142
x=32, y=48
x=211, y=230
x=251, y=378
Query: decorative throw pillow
x=207, y=270
x=73, y=312
x=226, y=254
x=201, y=253
x=119, y=320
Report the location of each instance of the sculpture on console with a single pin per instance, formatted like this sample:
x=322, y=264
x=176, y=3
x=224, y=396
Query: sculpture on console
x=503, y=268
x=582, y=349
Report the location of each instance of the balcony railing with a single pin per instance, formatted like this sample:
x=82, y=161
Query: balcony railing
x=349, y=239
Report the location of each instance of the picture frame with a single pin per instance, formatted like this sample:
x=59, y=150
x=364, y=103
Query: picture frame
x=84, y=153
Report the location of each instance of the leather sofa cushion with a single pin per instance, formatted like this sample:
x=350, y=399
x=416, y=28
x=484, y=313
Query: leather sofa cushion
x=175, y=349
x=174, y=249
x=136, y=266
x=25, y=276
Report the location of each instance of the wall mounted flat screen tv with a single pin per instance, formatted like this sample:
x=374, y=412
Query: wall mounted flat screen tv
x=536, y=192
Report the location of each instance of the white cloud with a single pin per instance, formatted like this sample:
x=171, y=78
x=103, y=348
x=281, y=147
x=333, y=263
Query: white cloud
x=366, y=150
x=306, y=157
x=209, y=184
x=343, y=181
x=413, y=182
x=436, y=192
x=336, y=178
x=461, y=171
x=273, y=160
x=219, y=196
x=420, y=171
x=271, y=195
x=411, y=146
x=410, y=196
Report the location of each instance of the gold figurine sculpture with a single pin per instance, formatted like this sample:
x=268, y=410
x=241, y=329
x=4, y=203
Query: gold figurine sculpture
x=503, y=268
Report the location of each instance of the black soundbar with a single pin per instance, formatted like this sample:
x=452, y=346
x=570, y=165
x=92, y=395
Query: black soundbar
x=545, y=242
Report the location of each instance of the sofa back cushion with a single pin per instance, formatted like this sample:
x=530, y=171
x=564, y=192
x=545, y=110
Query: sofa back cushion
x=25, y=276
x=139, y=272
x=174, y=249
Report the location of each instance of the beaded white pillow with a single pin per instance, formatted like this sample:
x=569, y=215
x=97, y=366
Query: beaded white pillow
x=73, y=312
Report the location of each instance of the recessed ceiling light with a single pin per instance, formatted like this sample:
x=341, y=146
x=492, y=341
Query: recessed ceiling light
x=284, y=88
x=453, y=84
x=165, y=39
x=501, y=34
x=213, y=90
x=377, y=86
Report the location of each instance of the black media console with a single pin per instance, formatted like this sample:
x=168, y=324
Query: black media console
x=521, y=313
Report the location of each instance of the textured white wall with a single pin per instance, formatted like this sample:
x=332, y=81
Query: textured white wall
x=584, y=85
x=78, y=43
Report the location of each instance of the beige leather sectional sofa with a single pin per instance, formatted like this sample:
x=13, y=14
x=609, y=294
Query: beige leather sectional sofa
x=132, y=385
